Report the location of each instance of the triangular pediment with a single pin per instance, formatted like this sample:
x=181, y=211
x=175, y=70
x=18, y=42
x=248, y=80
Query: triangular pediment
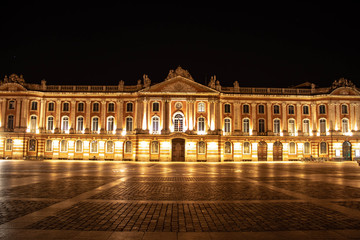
x=179, y=85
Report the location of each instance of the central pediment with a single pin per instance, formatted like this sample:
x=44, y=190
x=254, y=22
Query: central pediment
x=179, y=84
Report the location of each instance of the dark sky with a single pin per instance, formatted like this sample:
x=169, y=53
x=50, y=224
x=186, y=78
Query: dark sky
x=258, y=45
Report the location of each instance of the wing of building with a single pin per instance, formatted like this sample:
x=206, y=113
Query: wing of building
x=178, y=119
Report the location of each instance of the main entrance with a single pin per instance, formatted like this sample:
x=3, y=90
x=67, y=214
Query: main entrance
x=277, y=151
x=346, y=150
x=178, y=150
x=262, y=151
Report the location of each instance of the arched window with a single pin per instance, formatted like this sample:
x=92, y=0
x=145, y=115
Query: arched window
x=63, y=146
x=246, y=125
x=323, y=148
x=111, y=107
x=51, y=106
x=291, y=126
x=129, y=124
x=201, y=124
x=33, y=120
x=276, y=109
x=306, y=126
x=95, y=124
x=48, y=145
x=247, y=148
x=201, y=107
x=109, y=146
x=66, y=107
x=79, y=124
x=154, y=147
x=129, y=107
x=292, y=148
x=50, y=123
x=227, y=108
x=322, y=126
x=345, y=125
x=78, y=146
x=155, y=107
x=227, y=125
x=344, y=109
x=228, y=148
x=178, y=123
x=306, y=148
x=110, y=124
x=201, y=147
x=277, y=126
x=32, y=145
x=155, y=122
x=128, y=147
x=10, y=122
x=93, y=146
x=9, y=144
x=261, y=126
x=96, y=107
x=65, y=123
x=322, y=109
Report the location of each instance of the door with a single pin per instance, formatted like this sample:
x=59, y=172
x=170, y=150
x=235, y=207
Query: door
x=346, y=150
x=277, y=151
x=262, y=151
x=178, y=150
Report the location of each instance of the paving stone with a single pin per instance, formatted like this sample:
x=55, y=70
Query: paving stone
x=190, y=191
x=207, y=217
x=13, y=209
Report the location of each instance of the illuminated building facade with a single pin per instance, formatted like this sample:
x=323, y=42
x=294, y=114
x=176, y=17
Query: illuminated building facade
x=178, y=119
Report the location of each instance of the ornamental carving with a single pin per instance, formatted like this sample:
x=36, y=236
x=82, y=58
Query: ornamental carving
x=178, y=87
x=13, y=78
x=342, y=82
x=179, y=72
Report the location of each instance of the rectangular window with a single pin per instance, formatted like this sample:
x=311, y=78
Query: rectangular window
x=156, y=107
x=111, y=107
x=246, y=109
x=227, y=108
x=261, y=109
x=34, y=106
x=306, y=110
x=49, y=146
x=80, y=107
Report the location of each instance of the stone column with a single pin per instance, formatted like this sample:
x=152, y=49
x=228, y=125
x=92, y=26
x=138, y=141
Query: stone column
x=253, y=118
x=119, y=116
x=269, y=119
x=357, y=117
x=352, y=116
x=165, y=117
x=88, y=120
x=24, y=115
x=103, y=117
x=219, y=117
x=17, y=114
x=2, y=116
x=298, y=119
x=314, y=120
x=72, y=116
x=337, y=116
x=237, y=121
x=58, y=116
x=144, y=115
x=331, y=115
x=284, y=119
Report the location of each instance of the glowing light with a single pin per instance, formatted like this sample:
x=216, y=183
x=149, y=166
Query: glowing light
x=123, y=133
x=71, y=143
x=17, y=141
x=101, y=144
x=237, y=146
x=254, y=146
x=212, y=145
x=201, y=133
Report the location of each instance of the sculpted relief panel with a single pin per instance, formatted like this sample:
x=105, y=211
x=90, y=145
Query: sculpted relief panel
x=178, y=87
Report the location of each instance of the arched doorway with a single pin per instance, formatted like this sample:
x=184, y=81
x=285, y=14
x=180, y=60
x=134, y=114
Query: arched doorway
x=262, y=151
x=277, y=151
x=346, y=147
x=178, y=150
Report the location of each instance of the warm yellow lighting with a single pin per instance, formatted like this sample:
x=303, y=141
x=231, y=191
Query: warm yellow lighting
x=270, y=146
x=67, y=131
x=71, y=143
x=118, y=144
x=254, y=146
x=300, y=146
x=144, y=144
x=17, y=141
x=56, y=143
x=237, y=146
x=123, y=133
x=201, y=133
x=101, y=144
x=212, y=145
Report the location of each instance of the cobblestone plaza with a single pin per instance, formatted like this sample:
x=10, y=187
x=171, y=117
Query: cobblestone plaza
x=119, y=200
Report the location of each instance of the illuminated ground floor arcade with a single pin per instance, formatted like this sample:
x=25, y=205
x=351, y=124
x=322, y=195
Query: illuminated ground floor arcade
x=177, y=147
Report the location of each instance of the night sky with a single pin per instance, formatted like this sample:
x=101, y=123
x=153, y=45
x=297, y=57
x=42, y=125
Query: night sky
x=258, y=45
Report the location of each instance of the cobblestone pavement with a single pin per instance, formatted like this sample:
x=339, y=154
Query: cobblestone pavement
x=117, y=200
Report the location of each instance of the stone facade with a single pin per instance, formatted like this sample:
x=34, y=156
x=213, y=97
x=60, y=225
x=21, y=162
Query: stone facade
x=178, y=120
